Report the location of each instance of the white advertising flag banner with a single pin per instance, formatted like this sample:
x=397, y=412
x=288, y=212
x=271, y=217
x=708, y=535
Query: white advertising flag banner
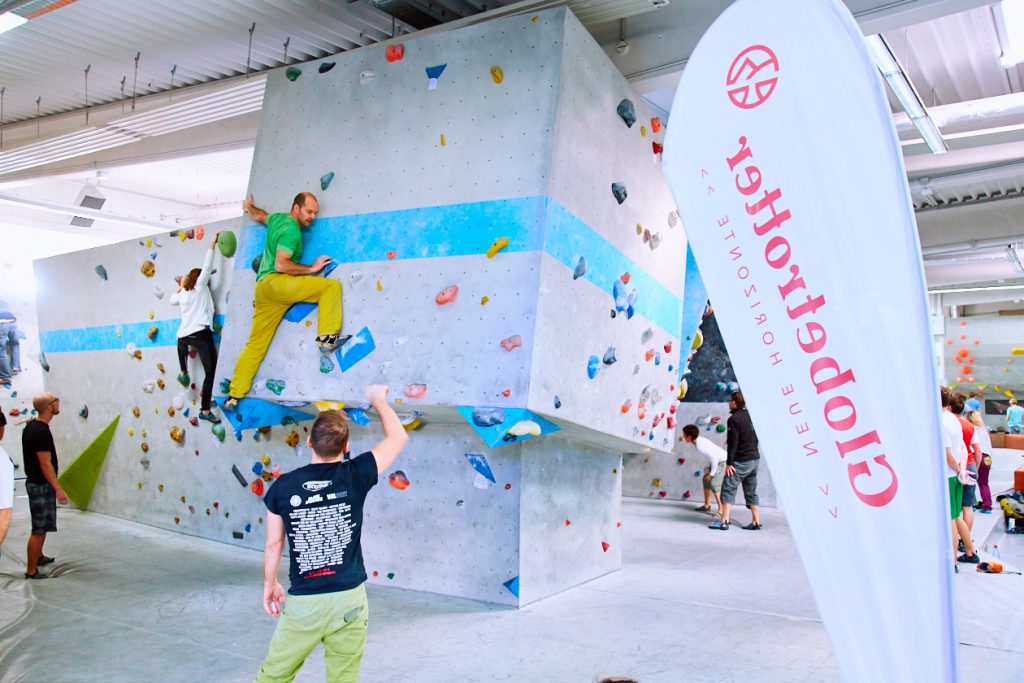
x=788, y=175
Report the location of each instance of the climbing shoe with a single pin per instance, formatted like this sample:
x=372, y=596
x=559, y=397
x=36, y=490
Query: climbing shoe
x=230, y=404
x=753, y=527
x=719, y=526
x=209, y=417
x=969, y=559
x=183, y=379
x=331, y=342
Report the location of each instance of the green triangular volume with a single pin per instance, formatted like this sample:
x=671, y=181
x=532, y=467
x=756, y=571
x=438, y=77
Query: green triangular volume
x=79, y=479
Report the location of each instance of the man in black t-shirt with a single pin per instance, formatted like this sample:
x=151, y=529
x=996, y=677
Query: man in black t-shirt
x=319, y=508
x=44, y=492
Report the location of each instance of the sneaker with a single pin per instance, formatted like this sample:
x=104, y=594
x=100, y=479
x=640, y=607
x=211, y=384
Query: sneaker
x=985, y=511
x=969, y=559
x=209, y=417
x=44, y=560
x=183, y=379
x=331, y=342
x=719, y=526
x=38, y=575
x=754, y=527
x=704, y=508
x=960, y=546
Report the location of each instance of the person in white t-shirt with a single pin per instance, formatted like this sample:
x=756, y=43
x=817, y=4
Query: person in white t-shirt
x=955, y=451
x=195, y=331
x=6, y=484
x=983, y=441
x=714, y=473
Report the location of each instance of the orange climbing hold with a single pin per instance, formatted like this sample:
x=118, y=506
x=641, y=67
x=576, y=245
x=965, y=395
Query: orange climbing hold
x=391, y=255
x=506, y=393
x=447, y=295
x=415, y=390
x=257, y=486
x=394, y=53
x=656, y=125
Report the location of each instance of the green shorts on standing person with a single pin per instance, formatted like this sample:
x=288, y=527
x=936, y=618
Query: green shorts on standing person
x=956, y=495
x=337, y=620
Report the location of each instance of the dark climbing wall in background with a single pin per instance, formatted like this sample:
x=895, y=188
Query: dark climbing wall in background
x=711, y=378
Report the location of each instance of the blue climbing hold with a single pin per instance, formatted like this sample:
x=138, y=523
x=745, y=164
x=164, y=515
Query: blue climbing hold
x=355, y=349
x=257, y=467
x=488, y=417
x=358, y=415
x=325, y=180
x=512, y=585
x=480, y=464
x=593, y=367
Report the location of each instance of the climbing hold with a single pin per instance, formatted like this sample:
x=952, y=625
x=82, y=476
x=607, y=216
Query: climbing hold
x=593, y=366
x=160, y=383
x=497, y=246
x=42, y=362
x=506, y=393
x=496, y=74
x=177, y=434
x=655, y=241
x=434, y=73
x=200, y=232
x=292, y=439
x=655, y=125
x=668, y=347
x=391, y=255
x=326, y=364
x=625, y=278
x=684, y=386
x=366, y=77
x=619, y=191
x=149, y=387
x=394, y=53
x=83, y=412
x=101, y=271
x=604, y=546
x=657, y=358
x=447, y=295
x=626, y=406
x=194, y=421
x=399, y=480
x=488, y=417
x=219, y=431
x=324, y=68
x=658, y=148
x=524, y=428
x=442, y=140
x=148, y=269
x=558, y=402
x=380, y=287
x=484, y=300
x=673, y=218
x=609, y=356
x=276, y=386
x=135, y=411
x=641, y=410
x=643, y=131
x=581, y=268
x=513, y=584
x=256, y=487
x=153, y=332
x=257, y=467
x=292, y=74
x=626, y=112
x=698, y=340
x=227, y=243
x=415, y=390
x=144, y=446
x=161, y=368
x=325, y=180
x=170, y=411
x=656, y=483
x=256, y=262
x=158, y=292
x=513, y=342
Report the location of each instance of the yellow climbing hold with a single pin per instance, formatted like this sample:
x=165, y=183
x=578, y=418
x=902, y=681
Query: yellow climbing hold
x=292, y=439
x=309, y=323
x=170, y=411
x=151, y=314
x=684, y=386
x=496, y=74
x=524, y=428
x=265, y=459
x=484, y=300
x=643, y=131
x=534, y=20
x=413, y=425
x=380, y=287
x=497, y=246
x=143, y=433
x=149, y=243
x=131, y=432
x=442, y=140
x=656, y=482
x=135, y=411
x=140, y=484
x=1008, y=394
x=1017, y=351
x=639, y=229
x=322, y=406
x=160, y=487
x=698, y=340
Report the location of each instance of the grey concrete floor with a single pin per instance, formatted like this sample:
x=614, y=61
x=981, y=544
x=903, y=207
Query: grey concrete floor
x=133, y=603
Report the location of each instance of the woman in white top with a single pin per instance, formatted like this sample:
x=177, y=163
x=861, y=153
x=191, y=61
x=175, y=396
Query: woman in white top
x=984, y=441
x=196, y=303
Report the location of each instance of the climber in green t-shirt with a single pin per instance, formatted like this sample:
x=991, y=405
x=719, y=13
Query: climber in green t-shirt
x=281, y=282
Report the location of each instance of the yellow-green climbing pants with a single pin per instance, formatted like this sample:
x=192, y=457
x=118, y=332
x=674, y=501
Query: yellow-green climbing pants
x=275, y=294
x=338, y=620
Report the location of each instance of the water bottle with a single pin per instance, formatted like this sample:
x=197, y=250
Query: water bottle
x=995, y=551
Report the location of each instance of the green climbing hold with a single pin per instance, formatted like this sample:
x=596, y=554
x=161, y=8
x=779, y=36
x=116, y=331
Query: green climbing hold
x=276, y=385
x=79, y=478
x=326, y=364
x=292, y=73
x=219, y=431
x=227, y=243
x=225, y=385
x=325, y=180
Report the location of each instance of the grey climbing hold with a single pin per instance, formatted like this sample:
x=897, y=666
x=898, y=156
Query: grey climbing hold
x=646, y=336
x=636, y=369
x=581, y=268
x=673, y=218
x=83, y=412
x=609, y=356
x=627, y=112
x=325, y=180
x=488, y=417
x=325, y=67
x=256, y=262
x=101, y=271
x=619, y=190
x=558, y=402
x=326, y=364
x=43, y=363
x=292, y=73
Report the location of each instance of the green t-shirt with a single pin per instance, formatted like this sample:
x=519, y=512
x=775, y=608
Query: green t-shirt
x=283, y=233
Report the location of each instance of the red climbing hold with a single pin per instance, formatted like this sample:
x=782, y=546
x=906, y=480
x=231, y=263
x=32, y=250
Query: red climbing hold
x=257, y=486
x=506, y=393
x=567, y=522
x=618, y=524
x=399, y=480
x=656, y=125
x=668, y=347
x=394, y=53
x=686, y=494
x=447, y=295
x=415, y=390
x=641, y=410
x=513, y=342
x=657, y=148
x=662, y=493
x=604, y=546
x=681, y=460
x=391, y=254
x=625, y=278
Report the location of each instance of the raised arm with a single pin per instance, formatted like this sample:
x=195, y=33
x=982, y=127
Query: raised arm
x=257, y=214
x=395, y=436
x=204, y=276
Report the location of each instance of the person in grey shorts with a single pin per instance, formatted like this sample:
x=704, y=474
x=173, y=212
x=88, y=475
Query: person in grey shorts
x=742, y=459
x=41, y=483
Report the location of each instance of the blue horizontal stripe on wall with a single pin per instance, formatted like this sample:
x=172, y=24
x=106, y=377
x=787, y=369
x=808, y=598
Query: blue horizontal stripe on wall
x=469, y=229
x=105, y=337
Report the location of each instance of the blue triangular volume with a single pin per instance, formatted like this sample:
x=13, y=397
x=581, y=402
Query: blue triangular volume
x=355, y=349
x=480, y=464
x=512, y=585
x=503, y=419
x=255, y=412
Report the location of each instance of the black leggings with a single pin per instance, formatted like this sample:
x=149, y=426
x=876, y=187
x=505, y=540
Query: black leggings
x=202, y=341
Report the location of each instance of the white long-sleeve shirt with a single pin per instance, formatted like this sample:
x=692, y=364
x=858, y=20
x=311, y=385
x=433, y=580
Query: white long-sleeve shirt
x=196, y=305
x=983, y=439
x=710, y=450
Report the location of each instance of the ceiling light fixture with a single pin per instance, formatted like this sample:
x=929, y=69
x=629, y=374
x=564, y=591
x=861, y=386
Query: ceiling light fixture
x=9, y=20
x=904, y=90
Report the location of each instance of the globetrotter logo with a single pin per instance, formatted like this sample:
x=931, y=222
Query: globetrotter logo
x=752, y=77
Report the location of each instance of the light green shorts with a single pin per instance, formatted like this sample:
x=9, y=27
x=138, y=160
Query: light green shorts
x=713, y=480
x=338, y=620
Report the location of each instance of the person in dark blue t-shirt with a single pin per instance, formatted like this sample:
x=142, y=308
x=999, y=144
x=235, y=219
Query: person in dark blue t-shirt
x=319, y=508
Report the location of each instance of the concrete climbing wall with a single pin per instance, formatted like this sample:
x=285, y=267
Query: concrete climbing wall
x=418, y=180
x=17, y=294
